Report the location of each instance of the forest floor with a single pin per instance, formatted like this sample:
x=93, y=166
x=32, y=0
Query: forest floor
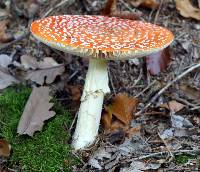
x=165, y=136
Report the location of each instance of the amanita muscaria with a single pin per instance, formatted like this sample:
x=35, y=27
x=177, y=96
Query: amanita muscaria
x=100, y=39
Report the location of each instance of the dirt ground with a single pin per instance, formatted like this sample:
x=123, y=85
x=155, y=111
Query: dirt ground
x=159, y=145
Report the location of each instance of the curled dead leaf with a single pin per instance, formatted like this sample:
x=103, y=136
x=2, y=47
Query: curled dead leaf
x=187, y=10
x=119, y=114
x=159, y=61
x=152, y=4
x=123, y=107
x=5, y=148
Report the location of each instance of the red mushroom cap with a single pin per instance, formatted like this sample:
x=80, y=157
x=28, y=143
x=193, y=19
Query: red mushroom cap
x=101, y=36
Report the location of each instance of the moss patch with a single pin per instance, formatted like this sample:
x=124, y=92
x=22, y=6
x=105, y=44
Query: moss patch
x=47, y=151
x=184, y=158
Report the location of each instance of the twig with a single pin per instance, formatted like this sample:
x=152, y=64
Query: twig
x=167, y=86
x=166, y=145
x=73, y=122
x=145, y=89
x=62, y=3
x=185, y=102
x=111, y=81
x=72, y=75
x=197, y=151
x=14, y=41
x=158, y=12
x=137, y=80
x=127, y=6
x=151, y=113
x=195, y=108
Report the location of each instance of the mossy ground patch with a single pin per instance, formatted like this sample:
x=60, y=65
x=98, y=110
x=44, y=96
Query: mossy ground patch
x=48, y=150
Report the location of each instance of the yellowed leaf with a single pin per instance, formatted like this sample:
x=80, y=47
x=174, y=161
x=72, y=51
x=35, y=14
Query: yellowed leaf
x=173, y=106
x=187, y=10
x=123, y=107
x=5, y=148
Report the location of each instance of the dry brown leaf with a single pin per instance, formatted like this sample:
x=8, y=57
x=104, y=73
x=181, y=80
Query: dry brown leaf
x=190, y=92
x=75, y=92
x=152, y=4
x=6, y=79
x=36, y=111
x=5, y=148
x=44, y=71
x=159, y=61
x=173, y=106
x=30, y=62
x=187, y=10
x=107, y=118
x=110, y=7
x=4, y=37
x=47, y=75
x=123, y=107
x=133, y=131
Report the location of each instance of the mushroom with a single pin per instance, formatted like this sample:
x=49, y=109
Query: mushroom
x=98, y=38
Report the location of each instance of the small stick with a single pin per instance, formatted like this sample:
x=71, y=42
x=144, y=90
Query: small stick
x=73, y=122
x=145, y=89
x=158, y=12
x=197, y=151
x=167, y=86
x=62, y=3
x=168, y=149
x=111, y=81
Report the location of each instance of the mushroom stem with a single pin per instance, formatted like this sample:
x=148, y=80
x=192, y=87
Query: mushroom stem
x=89, y=115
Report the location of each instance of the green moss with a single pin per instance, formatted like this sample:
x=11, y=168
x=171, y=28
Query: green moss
x=47, y=151
x=184, y=158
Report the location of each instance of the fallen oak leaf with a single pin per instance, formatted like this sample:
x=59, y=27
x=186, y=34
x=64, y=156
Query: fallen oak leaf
x=107, y=118
x=6, y=79
x=173, y=106
x=123, y=107
x=5, y=148
x=43, y=71
x=119, y=114
x=47, y=75
x=30, y=62
x=157, y=62
x=5, y=60
x=36, y=111
x=187, y=10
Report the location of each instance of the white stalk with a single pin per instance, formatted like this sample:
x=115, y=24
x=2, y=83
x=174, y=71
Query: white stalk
x=89, y=115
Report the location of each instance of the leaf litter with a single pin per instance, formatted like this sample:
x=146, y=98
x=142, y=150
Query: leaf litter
x=37, y=110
